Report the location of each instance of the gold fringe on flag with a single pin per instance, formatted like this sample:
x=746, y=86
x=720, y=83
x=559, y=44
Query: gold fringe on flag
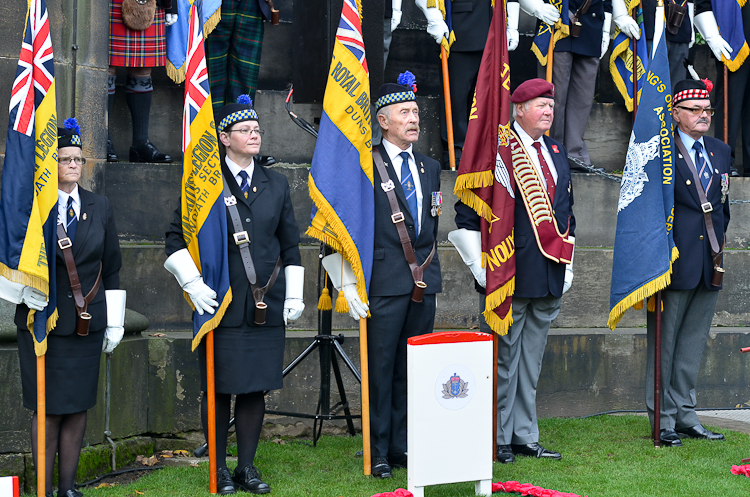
x=492, y=301
x=640, y=294
x=735, y=64
x=178, y=74
x=213, y=322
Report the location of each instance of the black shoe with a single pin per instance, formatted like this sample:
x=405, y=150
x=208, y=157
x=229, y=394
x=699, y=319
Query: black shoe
x=698, y=431
x=72, y=493
x=397, y=460
x=535, y=450
x=111, y=154
x=733, y=171
x=224, y=483
x=381, y=468
x=147, y=152
x=669, y=438
x=249, y=480
x=505, y=454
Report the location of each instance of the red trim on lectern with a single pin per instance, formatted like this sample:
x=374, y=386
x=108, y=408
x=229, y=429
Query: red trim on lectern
x=449, y=337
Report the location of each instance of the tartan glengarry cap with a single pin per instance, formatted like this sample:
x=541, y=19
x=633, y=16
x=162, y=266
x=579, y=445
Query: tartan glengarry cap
x=690, y=89
x=236, y=113
x=402, y=91
x=531, y=89
x=70, y=134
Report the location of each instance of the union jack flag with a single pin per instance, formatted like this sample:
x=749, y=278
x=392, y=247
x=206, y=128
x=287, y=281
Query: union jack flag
x=197, y=89
x=349, y=32
x=35, y=71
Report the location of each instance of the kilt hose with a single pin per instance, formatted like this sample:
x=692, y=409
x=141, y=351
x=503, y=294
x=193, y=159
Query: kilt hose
x=233, y=51
x=128, y=48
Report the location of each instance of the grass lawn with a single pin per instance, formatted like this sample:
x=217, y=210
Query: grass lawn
x=604, y=456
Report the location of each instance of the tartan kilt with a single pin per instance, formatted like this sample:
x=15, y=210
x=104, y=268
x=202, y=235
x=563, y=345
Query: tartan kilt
x=128, y=48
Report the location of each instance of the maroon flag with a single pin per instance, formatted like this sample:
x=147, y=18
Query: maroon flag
x=485, y=176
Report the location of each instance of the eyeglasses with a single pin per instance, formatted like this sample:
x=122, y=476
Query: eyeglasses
x=697, y=111
x=65, y=161
x=246, y=131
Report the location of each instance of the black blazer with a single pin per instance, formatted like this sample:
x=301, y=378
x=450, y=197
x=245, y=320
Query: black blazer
x=683, y=34
x=690, y=235
x=390, y=272
x=95, y=242
x=590, y=41
x=536, y=276
x=268, y=217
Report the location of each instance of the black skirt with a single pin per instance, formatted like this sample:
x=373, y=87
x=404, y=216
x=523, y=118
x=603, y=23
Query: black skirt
x=72, y=371
x=246, y=359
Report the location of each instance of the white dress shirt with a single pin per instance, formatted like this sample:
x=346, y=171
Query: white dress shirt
x=235, y=169
x=62, y=204
x=393, y=153
x=527, y=143
x=689, y=141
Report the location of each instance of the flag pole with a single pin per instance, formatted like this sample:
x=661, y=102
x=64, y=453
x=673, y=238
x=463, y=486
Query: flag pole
x=41, y=427
x=725, y=85
x=365, y=385
x=448, y=108
x=550, y=52
x=211, y=400
x=657, y=370
x=635, y=74
x=495, y=342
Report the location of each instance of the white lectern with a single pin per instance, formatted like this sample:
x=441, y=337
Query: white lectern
x=449, y=422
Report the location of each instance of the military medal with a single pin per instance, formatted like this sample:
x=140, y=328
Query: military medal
x=724, y=187
x=437, y=204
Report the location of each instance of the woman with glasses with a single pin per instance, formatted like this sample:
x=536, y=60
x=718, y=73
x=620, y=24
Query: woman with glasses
x=89, y=248
x=248, y=347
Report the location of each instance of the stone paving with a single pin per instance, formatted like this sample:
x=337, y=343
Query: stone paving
x=731, y=419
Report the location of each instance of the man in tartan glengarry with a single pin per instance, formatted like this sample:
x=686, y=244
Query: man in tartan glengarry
x=233, y=50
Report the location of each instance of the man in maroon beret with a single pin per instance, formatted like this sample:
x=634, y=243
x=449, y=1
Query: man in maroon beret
x=540, y=280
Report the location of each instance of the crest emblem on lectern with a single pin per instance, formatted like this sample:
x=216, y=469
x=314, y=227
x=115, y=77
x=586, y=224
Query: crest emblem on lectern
x=455, y=388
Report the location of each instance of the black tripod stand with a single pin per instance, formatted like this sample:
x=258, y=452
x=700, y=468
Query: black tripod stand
x=329, y=347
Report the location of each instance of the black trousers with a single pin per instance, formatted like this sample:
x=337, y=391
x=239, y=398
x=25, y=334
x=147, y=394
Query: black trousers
x=393, y=321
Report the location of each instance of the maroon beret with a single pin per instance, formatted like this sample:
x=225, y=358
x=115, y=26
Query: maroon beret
x=533, y=88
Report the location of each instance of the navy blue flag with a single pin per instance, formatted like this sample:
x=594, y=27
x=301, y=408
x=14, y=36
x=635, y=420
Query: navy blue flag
x=644, y=246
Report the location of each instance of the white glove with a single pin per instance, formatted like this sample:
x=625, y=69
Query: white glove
x=295, y=285
x=344, y=281
x=436, y=26
x=707, y=27
x=469, y=246
x=18, y=293
x=115, y=319
x=512, y=30
x=569, y=269
x=543, y=11
x=691, y=14
x=605, y=33
x=623, y=21
x=33, y=298
x=181, y=265
x=170, y=19
x=395, y=14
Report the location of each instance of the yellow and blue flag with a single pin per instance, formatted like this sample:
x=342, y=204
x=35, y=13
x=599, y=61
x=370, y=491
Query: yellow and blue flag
x=446, y=8
x=644, y=243
x=540, y=45
x=28, y=204
x=204, y=216
x=621, y=61
x=729, y=19
x=341, y=174
x=178, y=35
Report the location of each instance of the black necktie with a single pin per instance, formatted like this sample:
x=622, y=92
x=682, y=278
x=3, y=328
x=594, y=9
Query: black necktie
x=71, y=220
